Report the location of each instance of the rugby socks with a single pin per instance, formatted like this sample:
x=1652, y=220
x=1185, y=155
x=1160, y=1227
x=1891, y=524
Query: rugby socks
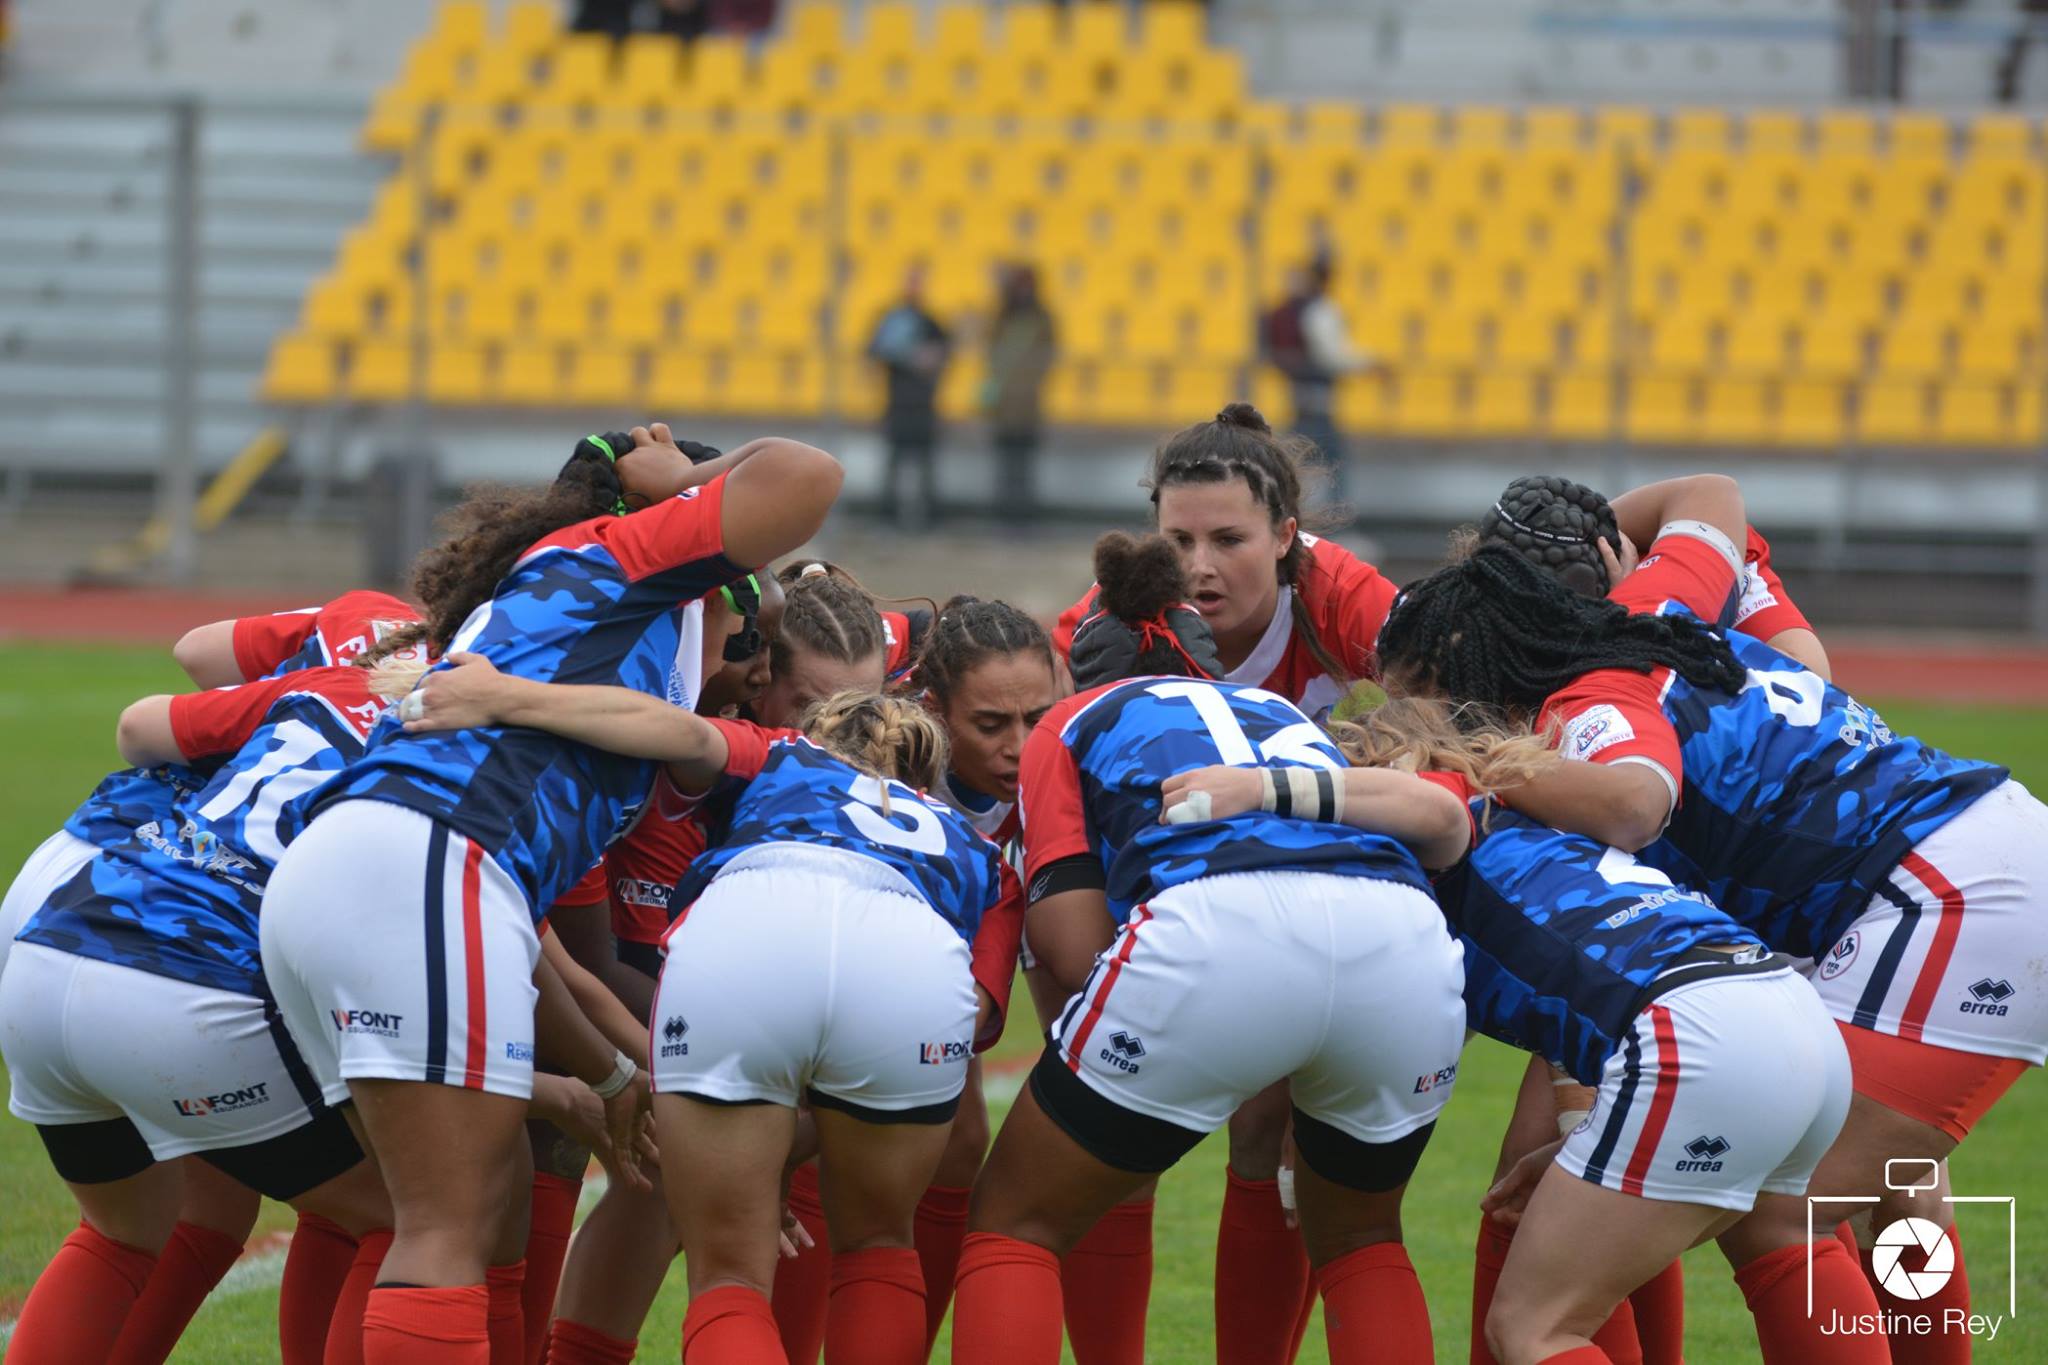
x=1262, y=1274
x=1774, y=1287
x=345, y=1329
x=571, y=1343
x=78, y=1304
x=941, y=1223
x=803, y=1283
x=508, y=1313
x=1489, y=1255
x=1310, y=1293
x=547, y=1246
x=1006, y=1303
x=876, y=1315
x=1617, y=1338
x=314, y=1269
x=731, y=1325
x=1373, y=1308
x=1943, y=1345
x=1659, y=1304
x=416, y=1325
x=1106, y=1284
x=187, y=1269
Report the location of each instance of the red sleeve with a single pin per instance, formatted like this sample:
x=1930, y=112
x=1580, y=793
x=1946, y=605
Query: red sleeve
x=1348, y=599
x=221, y=720
x=1456, y=785
x=996, y=945
x=747, y=746
x=1049, y=795
x=1764, y=608
x=1613, y=716
x=354, y=621
x=264, y=642
x=1070, y=621
x=901, y=648
x=682, y=530
x=1684, y=569
x=591, y=890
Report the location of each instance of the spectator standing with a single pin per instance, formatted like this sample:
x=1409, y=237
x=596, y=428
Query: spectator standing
x=1022, y=342
x=911, y=347
x=1306, y=340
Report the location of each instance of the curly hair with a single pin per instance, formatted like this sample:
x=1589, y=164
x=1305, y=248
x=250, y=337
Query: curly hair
x=885, y=736
x=1240, y=444
x=1414, y=734
x=1500, y=632
x=968, y=632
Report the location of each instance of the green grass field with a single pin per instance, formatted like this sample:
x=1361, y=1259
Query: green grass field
x=57, y=709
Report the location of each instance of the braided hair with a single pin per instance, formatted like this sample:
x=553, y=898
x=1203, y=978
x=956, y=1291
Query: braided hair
x=1240, y=444
x=825, y=612
x=1500, y=632
x=966, y=633
x=884, y=736
x=1555, y=524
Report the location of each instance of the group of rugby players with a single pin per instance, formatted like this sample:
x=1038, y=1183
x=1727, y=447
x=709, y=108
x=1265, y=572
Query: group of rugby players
x=623, y=844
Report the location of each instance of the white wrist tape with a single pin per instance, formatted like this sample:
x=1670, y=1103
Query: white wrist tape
x=412, y=706
x=1191, y=811
x=1304, y=793
x=622, y=1076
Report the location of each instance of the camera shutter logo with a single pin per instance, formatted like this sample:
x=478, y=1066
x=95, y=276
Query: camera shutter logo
x=1887, y=1259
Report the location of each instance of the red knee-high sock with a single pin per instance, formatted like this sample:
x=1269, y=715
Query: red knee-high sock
x=1660, y=1316
x=571, y=1343
x=415, y=1326
x=803, y=1284
x=1261, y=1274
x=1306, y=1311
x=941, y=1223
x=314, y=1270
x=1106, y=1284
x=187, y=1269
x=1006, y=1303
x=731, y=1326
x=1489, y=1254
x=1940, y=1346
x=547, y=1245
x=345, y=1328
x=1617, y=1336
x=80, y=1301
x=505, y=1284
x=1373, y=1308
x=1774, y=1286
x=876, y=1315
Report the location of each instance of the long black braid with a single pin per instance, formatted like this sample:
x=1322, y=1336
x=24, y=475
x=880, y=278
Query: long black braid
x=1496, y=630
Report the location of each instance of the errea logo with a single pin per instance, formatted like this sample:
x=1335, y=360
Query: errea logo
x=1990, y=997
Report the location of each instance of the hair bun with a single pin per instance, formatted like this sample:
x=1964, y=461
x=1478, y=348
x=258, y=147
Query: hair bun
x=1243, y=415
x=1138, y=578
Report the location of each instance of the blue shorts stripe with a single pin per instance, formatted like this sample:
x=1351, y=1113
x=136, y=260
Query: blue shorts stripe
x=437, y=957
x=1610, y=1136
x=1887, y=970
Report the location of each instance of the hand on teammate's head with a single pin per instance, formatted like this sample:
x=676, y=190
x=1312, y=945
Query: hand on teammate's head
x=655, y=468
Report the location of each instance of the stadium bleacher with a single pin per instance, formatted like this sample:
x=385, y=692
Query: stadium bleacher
x=715, y=229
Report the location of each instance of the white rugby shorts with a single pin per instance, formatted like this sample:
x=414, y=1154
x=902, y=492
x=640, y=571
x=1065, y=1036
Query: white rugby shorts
x=56, y=861
x=1953, y=950
x=192, y=1067
x=1724, y=1088
x=1350, y=986
x=811, y=972
x=399, y=950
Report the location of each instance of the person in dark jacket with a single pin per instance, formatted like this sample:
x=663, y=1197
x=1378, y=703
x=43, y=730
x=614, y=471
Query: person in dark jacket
x=911, y=347
x=1022, y=342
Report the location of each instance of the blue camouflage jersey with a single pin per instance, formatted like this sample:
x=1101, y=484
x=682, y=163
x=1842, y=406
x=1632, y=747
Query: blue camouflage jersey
x=1566, y=939
x=797, y=793
x=1091, y=785
x=178, y=897
x=1795, y=800
x=600, y=602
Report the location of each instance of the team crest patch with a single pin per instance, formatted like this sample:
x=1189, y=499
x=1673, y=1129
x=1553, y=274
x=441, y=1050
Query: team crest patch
x=1598, y=728
x=1841, y=956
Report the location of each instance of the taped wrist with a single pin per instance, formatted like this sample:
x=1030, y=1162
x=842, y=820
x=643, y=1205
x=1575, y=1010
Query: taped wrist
x=1303, y=793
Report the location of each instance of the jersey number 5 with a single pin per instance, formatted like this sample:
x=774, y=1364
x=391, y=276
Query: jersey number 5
x=926, y=835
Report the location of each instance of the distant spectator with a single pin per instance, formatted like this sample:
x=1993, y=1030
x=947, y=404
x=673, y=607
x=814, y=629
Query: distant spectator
x=686, y=19
x=1305, y=339
x=911, y=348
x=1021, y=344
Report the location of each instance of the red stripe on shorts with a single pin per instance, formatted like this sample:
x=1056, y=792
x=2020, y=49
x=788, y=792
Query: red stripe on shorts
x=1079, y=1042
x=1914, y=1020
x=1652, y=1135
x=473, y=961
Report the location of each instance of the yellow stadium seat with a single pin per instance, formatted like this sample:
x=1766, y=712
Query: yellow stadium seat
x=1526, y=339
x=814, y=27
x=1683, y=342
x=1893, y=411
x=1773, y=130
x=1410, y=126
x=1919, y=136
x=531, y=25
x=717, y=77
x=1836, y=346
x=1097, y=28
x=679, y=380
x=1173, y=27
x=1810, y=412
x=300, y=370
x=380, y=370
x=1733, y=410
x=1660, y=408
x=1581, y=404
x=2026, y=415
x=1426, y=403
x=1028, y=29
x=1547, y=129
x=1757, y=344
x=1364, y=402
x=1625, y=130
x=601, y=375
x=890, y=28
x=1843, y=131
x=1997, y=348
x=463, y=22
x=1502, y=404
x=1450, y=338
x=651, y=62
x=1481, y=128
x=2002, y=135
x=1699, y=130
x=529, y=374
x=455, y=374
x=1914, y=351
x=1971, y=413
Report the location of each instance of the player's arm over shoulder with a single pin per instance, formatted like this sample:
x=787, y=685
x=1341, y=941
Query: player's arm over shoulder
x=1622, y=781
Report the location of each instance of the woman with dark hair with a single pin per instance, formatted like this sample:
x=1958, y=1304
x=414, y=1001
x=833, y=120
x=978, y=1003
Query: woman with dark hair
x=1297, y=616
x=1909, y=876
x=399, y=930
x=1022, y=342
x=1275, y=945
